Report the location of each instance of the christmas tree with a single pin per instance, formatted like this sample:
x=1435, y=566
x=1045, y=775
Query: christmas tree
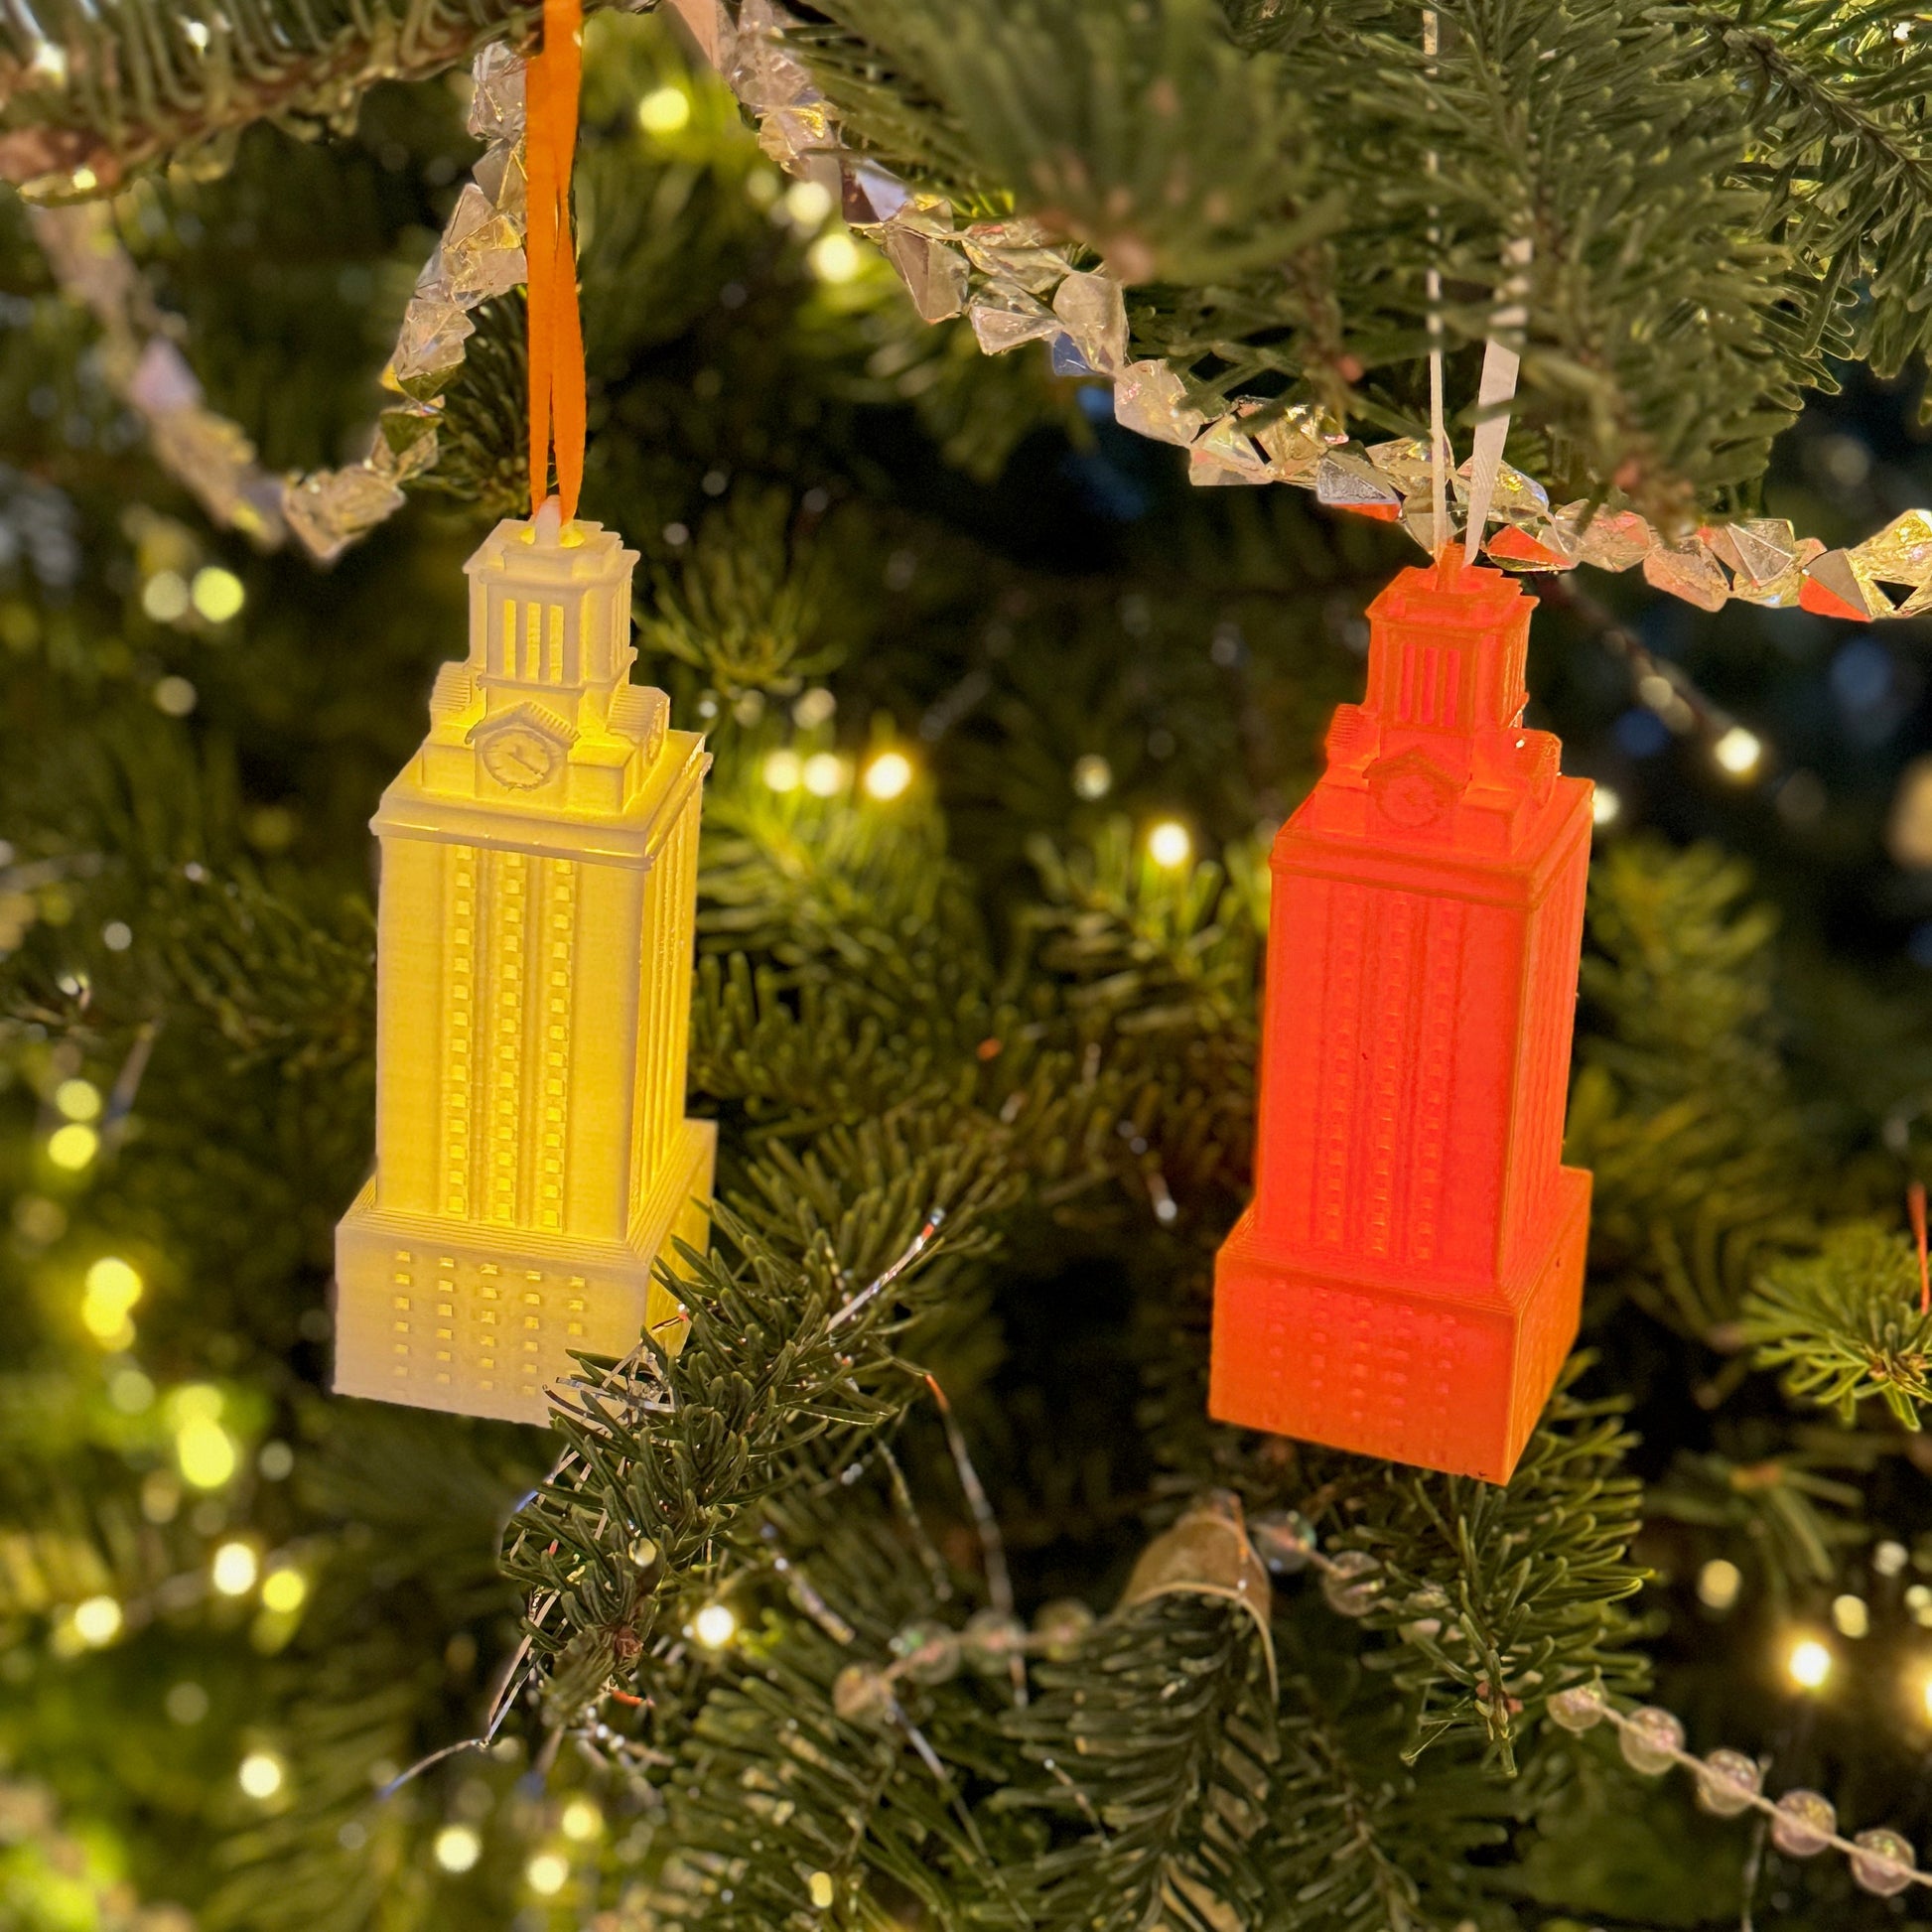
x=915, y=1585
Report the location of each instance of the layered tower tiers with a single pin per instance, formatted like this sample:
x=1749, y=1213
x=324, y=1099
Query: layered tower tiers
x=534, y=954
x=1406, y=1280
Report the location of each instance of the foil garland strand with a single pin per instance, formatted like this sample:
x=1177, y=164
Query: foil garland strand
x=480, y=255
x=1014, y=282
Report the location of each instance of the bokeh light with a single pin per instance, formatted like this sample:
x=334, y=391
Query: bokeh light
x=1170, y=844
x=887, y=775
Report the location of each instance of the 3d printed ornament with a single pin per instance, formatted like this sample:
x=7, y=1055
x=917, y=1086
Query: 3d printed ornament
x=539, y=881
x=1406, y=1280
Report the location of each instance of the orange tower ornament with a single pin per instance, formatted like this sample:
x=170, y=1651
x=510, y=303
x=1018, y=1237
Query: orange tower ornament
x=1408, y=1278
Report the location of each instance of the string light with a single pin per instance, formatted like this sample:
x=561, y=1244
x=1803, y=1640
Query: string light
x=1738, y=751
x=175, y=697
x=547, y=1873
x=1605, y=806
x=260, y=1776
x=71, y=1147
x=1808, y=1664
x=284, y=1590
x=835, y=258
x=217, y=593
x=111, y=1290
x=186, y=1703
x=665, y=110
x=782, y=770
x=457, y=1847
x=887, y=775
x=202, y=1448
x=808, y=203
x=819, y=1889
x=1851, y=1616
x=1170, y=844
x=130, y=1391
x=715, y=1626
x=78, y=1099
x=235, y=1569
x=164, y=597
x=823, y=773
x=97, y=1622
x=582, y=1820
x=1718, y=1582
x=1093, y=777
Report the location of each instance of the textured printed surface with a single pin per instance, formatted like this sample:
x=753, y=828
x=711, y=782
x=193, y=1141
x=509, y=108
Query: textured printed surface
x=1408, y=1278
x=539, y=881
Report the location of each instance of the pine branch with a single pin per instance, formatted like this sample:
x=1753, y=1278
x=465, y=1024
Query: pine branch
x=1165, y=1730
x=765, y=1389
x=1682, y=1107
x=744, y=605
x=1834, y=103
x=1780, y=1511
x=773, y=1790
x=1844, y=1324
x=1501, y=1596
x=134, y=82
x=1361, y=1838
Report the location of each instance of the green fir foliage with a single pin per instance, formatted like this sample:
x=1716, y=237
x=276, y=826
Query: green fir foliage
x=982, y=1068
x=1846, y=1324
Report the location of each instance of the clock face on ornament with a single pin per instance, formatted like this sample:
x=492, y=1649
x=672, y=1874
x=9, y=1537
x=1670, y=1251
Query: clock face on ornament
x=521, y=758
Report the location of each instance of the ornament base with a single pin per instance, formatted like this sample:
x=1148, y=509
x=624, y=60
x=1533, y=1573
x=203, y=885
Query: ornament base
x=429, y=1313
x=1451, y=1378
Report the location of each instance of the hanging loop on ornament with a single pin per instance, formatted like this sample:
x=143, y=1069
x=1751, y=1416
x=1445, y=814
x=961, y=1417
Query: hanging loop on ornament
x=557, y=406
x=1502, y=360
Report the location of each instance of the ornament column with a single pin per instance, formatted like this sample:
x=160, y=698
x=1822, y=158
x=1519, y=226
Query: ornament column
x=534, y=953
x=1408, y=1278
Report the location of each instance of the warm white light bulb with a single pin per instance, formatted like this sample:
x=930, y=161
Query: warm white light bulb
x=235, y=1569
x=1093, y=777
x=1605, y=807
x=823, y=773
x=78, y=1099
x=782, y=770
x=808, y=203
x=1718, y=1582
x=582, y=1820
x=1170, y=844
x=665, y=110
x=71, y=1147
x=888, y=775
x=112, y=1288
x=98, y=1620
x=457, y=1847
x=1809, y=1664
x=547, y=1873
x=217, y=594
x=284, y=1590
x=835, y=258
x=1738, y=751
x=260, y=1774
x=205, y=1452
x=715, y=1626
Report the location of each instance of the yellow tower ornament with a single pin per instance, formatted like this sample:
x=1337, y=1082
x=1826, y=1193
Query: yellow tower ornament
x=538, y=905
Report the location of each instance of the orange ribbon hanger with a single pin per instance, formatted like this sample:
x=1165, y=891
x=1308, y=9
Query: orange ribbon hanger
x=551, y=84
